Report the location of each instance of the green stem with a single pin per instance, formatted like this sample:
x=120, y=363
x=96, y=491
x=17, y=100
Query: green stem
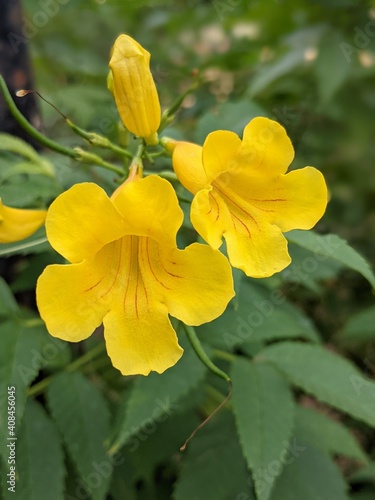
x=33, y=132
x=73, y=366
x=197, y=346
x=77, y=153
x=166, y=174
x=87, y=157
x=30, y=323
x=169, y=114
x=98, y=140
x=224, y=355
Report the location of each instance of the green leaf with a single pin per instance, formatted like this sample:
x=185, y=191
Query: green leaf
x=159, y=442
x=331, y=67
x=310, y=475
x=82, y=416
x=364, y=475
x=308, y=271
x=367, y=494
x=332, y=246
x=258, y=314
x=18, y=346
x=271, y=72
x=360, y=328
x=8, y=304
x=42, y=167
x=328, y=435
x=213, y=467
x=264, y=410
x=157, y=396
x=325, y=375
x=229, y=116
x=18, y=146
x=38, y=191
x=39, y=457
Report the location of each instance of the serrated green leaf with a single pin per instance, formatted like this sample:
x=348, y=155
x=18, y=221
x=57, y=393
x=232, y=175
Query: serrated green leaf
x=213, y=467
x=40, y=458
x=334, y=247
x=82, y=416
x=157, y=396
x=257, y=315
x=360, y=328
x=310, y=475
x=8, y=304
x=264, y=410
x=18, y=345
x=327, y=376
x=328, y=435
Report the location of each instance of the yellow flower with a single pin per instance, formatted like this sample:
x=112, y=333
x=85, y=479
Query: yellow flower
x=134, y=88
x=17, y=224
x=127, y=272
x=242, y=192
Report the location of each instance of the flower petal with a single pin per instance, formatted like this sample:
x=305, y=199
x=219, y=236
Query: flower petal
x=81, y=221
x=266, y=149
x=150, y=208
x=68, y=301
x=220, y=153
x=296, y=200
x=141, y=340
x=17, y=224
x=195, y=284
x=253, y=244
x=188, y=166
x=210, y=216
x=260, y=249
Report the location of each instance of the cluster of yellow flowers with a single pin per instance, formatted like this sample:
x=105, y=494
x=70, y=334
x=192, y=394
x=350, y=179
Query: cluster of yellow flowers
x=125, y=268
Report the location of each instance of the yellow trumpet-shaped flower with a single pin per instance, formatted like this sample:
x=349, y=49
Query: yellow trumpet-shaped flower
x=242, y=192
x=127, y=272
x=134, y=88
x=17, y=224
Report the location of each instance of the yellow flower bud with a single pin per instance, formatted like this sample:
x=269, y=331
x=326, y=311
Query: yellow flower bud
x=134, y=88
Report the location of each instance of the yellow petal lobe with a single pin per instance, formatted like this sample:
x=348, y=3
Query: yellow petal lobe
x=188, y=165
x=266, y=149
x=82, y=220
x=17, y=224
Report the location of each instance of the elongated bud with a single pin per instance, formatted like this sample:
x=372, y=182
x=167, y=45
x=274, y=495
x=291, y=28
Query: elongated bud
x=134, y=88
